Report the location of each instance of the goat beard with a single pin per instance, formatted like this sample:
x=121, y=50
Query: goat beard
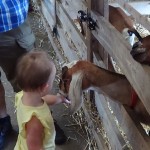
x=75, y=92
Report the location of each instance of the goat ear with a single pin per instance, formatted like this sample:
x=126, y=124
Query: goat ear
x=64, y=69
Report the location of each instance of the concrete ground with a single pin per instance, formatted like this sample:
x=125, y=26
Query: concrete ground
x=76, y=139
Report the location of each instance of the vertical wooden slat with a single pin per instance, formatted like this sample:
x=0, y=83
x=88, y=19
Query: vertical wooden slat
x=92, y=43
x=89, y=36
x=102, y=8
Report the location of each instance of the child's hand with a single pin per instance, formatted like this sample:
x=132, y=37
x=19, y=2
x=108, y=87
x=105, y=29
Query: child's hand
x=63, y=99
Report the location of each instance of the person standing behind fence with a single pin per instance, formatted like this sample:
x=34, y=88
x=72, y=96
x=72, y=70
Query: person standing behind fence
x=35, y=74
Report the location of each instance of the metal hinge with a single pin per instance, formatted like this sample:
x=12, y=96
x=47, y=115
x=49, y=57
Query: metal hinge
x=87, y=18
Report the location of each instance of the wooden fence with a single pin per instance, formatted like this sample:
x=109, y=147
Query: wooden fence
x=60, y=15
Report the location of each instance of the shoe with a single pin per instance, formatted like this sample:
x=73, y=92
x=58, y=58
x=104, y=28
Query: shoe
x=5, y=129
x=60, y=135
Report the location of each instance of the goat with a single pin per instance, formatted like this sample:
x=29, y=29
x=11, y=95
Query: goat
x=82, y=75
x=141, y=50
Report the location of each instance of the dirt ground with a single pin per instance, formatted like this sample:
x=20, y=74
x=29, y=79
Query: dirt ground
x=76, y=139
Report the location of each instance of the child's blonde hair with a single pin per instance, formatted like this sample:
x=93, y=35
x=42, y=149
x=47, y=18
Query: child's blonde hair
x=33, y=70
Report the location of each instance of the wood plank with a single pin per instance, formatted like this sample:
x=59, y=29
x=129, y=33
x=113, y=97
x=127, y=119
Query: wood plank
x=98, y=61
x=89, y=37
x=49, y=17
x=102, y=8
x=119, y=49
x=131, y=126
x=50, y=4
x=99, y=140
x=68, y=51
x=115, y=138
x=138, y=17
x=143, y=7
x=77, y=5
x=69, y=26
x=49, y=31
x=72, y=7
x=73, y=13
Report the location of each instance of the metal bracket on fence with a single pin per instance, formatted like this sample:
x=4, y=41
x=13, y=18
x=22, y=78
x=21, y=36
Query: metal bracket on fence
x=91, y=23
x=86, y=18
x=55, y=31
x=83, y=16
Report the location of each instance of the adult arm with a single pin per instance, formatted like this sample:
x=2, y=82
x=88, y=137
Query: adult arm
x=35, y=134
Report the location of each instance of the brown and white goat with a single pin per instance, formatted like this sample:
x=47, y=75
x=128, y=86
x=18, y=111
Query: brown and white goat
x=82, y=75
x=141, y=50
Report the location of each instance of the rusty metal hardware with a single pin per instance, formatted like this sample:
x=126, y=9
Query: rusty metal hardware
x=87, y=18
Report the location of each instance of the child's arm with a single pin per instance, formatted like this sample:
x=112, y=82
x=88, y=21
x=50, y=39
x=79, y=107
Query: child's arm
x=35, y=134
x=55, y=99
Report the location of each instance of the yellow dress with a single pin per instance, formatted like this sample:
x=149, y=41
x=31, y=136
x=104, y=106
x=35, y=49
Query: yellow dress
x=24, y=114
